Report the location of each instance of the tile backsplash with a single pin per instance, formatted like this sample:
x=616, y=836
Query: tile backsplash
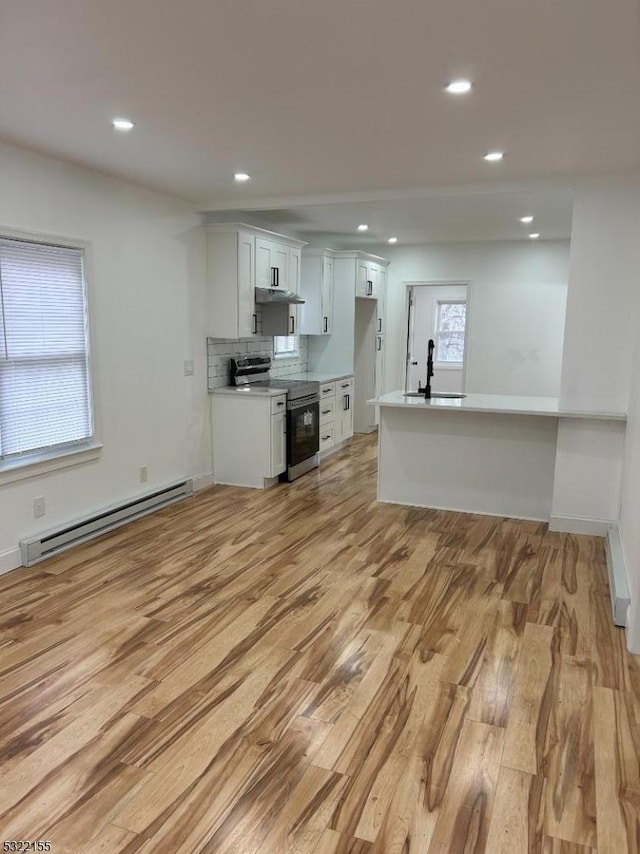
x=220, y=350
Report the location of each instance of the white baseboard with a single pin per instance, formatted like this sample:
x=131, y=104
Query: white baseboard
x=618, y=584
x=11, y=559
x=459, y=510
x=202, y=481
x=579, y=525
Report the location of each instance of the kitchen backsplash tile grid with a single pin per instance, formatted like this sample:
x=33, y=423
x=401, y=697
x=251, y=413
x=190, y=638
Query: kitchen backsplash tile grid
x=220, y=350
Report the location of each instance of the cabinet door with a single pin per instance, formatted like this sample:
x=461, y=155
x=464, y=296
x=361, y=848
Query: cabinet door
x=379, y=378
x=264, y=276
x=382, y=301
x=362, y=276
x=372, y=280
x=293, y=274
x=280, y=262
x=344, y=417
x=247, y=317
x=326, y=300
x=295, y=257
x=278, y=444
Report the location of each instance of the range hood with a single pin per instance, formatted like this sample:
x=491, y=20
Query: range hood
x=277, y=296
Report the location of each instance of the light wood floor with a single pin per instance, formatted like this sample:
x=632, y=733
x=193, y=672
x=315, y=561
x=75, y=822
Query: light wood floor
x=304, y=670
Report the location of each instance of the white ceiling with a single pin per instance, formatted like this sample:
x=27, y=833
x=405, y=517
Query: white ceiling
x=317, y=96
x=436, y=218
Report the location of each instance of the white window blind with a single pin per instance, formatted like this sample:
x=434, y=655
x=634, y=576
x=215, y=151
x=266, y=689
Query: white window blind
x=285, y=345
x=45, y=395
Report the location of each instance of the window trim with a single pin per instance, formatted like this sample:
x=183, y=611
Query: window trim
x=450, y=366
x=38, y=463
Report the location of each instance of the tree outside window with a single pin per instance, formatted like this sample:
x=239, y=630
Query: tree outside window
x=451, y=319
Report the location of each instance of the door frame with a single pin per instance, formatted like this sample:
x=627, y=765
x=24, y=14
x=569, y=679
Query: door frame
x=436, y=283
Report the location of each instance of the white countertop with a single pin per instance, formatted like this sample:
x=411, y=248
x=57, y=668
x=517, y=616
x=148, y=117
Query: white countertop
x=498, y=403
x=318, y=377
x=249, y=390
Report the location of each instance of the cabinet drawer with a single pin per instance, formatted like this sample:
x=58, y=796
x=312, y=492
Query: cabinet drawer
x=327, y=410
x=327, y=390
x=344, y=386
x=279, y=404
x=327, y=435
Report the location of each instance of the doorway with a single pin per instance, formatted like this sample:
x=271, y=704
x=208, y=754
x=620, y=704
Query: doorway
x=439, y=311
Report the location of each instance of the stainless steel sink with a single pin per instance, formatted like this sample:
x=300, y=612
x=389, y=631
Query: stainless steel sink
x=444, y=394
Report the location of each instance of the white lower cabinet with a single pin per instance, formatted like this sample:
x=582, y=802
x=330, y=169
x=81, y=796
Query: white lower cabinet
x=249, y=432
x=336, y=412
x=344, y=410
x=278, y=443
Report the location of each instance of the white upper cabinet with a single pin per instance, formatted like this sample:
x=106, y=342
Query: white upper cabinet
x=239, y=259
x=381, y=304
x=272, y=264
x=231, y=284
x=295, y=260
x=316, y=315
x=367, y=279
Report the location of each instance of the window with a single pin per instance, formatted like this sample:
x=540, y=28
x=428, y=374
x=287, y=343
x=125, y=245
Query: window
x=45, y=391
x=451, y=318
x=285, y=345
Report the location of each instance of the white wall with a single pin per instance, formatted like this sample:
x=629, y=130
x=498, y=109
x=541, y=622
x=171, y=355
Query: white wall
x=603, y=287
x=148, y=304
x=629, y=517
x=516, y=318
x=601, y=326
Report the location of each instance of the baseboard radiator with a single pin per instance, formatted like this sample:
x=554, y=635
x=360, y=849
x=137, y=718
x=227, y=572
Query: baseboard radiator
x=618, y=586
x=36, y=549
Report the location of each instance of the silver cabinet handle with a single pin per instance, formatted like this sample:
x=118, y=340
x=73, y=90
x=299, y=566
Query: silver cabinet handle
x=326, y=324
x=255, y=324
x=293, y=325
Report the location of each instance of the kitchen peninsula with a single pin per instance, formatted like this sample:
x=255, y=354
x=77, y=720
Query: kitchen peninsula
x=483, y=453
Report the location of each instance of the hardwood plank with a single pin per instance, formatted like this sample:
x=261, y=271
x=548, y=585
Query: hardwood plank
x=532, y=698
x=517, y=819
x=463, y=822
x=617, y=770
x=358, y=677
x=570, y=805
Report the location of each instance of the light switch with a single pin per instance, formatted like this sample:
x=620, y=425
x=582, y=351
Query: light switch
x=188, y=368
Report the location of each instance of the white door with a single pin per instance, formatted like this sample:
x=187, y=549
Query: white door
x=427, y=309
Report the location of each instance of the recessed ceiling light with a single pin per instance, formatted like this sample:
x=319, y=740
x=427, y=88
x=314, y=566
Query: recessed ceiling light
x=241, y=177
x=534, y=235
x=526, y=219
x=494, y=156
x=363, y=227
x=459, y=87
x=123, y=124
x=392, y=240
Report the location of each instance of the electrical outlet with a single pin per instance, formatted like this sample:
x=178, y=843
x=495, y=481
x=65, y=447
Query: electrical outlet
x=188, y=368
x=38, y=507
x=143, y=474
